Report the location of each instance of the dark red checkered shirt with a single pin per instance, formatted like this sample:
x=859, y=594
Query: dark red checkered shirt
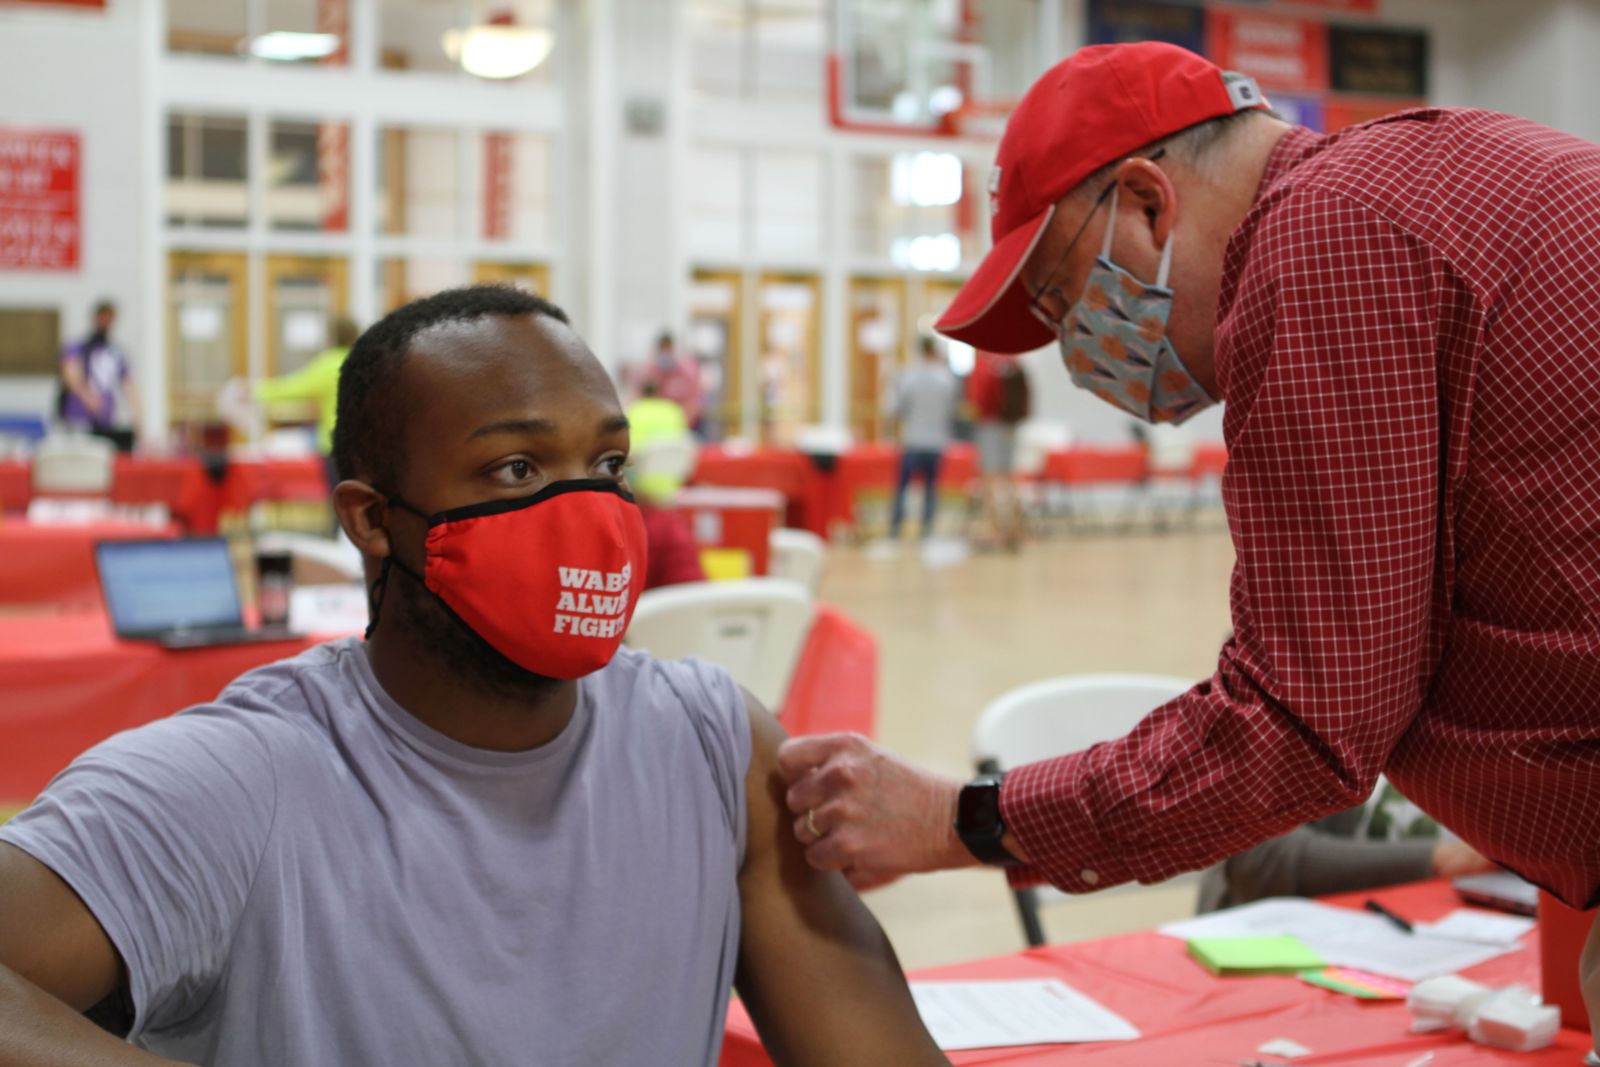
x=1408, y=342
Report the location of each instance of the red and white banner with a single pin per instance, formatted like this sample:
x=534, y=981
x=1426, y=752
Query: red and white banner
x=499, y=168
x=39, y=186
x=1278, y=51
x=333, y=138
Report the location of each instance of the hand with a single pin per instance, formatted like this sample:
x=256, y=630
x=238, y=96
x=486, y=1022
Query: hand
x=874, y=816
x=1451, y=859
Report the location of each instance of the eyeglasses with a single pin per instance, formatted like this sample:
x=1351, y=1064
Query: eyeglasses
x=1041, y=312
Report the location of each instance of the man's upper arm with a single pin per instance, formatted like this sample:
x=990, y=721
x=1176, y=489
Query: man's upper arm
x=819, y=978
x=48, y=935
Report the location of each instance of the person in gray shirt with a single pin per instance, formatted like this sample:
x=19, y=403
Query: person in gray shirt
x=924, y=402
x=482, y=836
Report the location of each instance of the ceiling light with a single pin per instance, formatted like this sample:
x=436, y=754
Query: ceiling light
x=283, y=46
x=499, y=51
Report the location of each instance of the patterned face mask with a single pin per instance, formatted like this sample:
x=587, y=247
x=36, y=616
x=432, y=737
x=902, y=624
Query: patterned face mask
x=1114, y=342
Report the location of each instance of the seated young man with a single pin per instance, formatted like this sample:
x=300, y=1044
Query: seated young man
x=483, y=836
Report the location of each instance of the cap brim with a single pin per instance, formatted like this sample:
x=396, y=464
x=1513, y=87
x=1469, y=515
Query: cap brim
x=991, y=310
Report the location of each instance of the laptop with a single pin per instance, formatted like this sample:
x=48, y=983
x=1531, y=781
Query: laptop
x=1501, y=890
x=179, y=593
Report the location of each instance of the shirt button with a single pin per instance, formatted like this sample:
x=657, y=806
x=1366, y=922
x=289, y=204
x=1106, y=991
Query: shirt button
x=1090, y=876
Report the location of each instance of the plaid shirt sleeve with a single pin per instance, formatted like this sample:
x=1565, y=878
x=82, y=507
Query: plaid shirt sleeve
x=1326, y=355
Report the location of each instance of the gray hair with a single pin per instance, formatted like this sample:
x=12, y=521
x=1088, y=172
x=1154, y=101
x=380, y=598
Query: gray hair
x=1195, y=146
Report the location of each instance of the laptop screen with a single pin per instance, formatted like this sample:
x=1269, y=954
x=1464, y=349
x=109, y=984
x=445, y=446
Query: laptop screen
x=159, y=586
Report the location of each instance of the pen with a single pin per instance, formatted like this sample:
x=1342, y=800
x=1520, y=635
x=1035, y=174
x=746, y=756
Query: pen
x=1378, y=909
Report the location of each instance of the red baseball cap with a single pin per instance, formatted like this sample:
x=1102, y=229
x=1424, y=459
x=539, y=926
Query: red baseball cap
x=1096, y=106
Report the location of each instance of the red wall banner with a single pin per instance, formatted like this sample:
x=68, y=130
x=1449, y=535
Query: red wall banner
x=39, y=184
x=499, y=169
x=1278, y=51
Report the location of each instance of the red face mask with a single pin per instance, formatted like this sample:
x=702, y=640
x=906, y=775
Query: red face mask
x=549, y=580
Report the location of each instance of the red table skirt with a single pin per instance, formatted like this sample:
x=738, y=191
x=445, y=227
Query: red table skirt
x=1189, y=1016
x=67, y=682
x=54, y=564
x=181, y=484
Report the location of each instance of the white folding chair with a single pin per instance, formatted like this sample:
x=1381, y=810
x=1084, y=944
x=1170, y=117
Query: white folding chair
x=73, y=465
x=756, y=628
x=1057, y=717
x=798, y=556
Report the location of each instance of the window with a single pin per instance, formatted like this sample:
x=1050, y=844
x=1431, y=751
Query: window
x=308, y=176
x=918, y=210
x=419, y=182
x=208, y=27
x=767, y=49
x=510, y=179
x=206, y=171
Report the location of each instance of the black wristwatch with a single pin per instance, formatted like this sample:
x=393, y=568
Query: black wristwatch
x=978, y=822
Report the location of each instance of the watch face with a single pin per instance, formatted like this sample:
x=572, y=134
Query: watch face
x=978, y=810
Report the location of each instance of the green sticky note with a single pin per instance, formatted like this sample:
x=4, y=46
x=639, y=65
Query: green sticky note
x=1254, y=955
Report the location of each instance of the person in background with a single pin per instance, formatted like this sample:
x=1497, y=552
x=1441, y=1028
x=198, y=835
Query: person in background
x=98, y=392
x=317, y=382
x=1386, y=841
x=676, y=377
x=1000, y=398
x=674, y=558
x=924, y=403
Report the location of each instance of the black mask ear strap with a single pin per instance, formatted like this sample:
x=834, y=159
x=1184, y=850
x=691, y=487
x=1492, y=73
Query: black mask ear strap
x=379, y=587
x=375, y=597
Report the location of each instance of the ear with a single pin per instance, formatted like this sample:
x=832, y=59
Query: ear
x=364, y=513
x=1145, y=184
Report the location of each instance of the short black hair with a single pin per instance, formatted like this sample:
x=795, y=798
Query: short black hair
x=365, y=435
x=103, y=307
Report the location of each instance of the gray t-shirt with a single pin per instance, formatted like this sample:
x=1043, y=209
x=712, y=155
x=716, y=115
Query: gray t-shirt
x=925, y=403
x=303, y=873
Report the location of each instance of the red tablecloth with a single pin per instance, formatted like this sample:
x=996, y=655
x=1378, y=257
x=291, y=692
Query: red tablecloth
x=794, y=475
x=1098, y=465
x=54, y=565
x=178, y=482
x=251, y=481
x=1189, y=1016
x=66, y=683
x=873, y=469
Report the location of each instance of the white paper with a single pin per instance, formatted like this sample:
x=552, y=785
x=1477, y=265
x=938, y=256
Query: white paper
x=1344, y=937
x=328, y=609
x=963, y=1015
x=1284, y=1047
x=1484, y=927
